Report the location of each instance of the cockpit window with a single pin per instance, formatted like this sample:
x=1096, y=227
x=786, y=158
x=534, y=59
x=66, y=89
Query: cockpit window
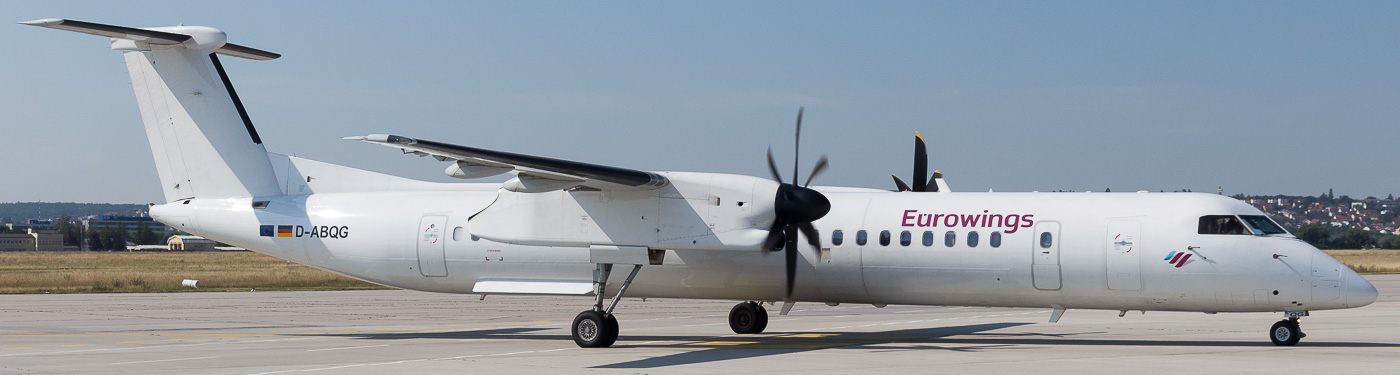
x=1221, y=224
x=1263, y=224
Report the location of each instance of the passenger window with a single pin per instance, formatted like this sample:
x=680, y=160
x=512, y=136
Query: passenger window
x=457, y=233
x=836, y=237
x=860, y=238
x=971, y=239
x=1046, y=240
x=1220, y=224
x=928, y=238
x=884, y=238
x=995, y=239
x=905, y=238
x=950, y=238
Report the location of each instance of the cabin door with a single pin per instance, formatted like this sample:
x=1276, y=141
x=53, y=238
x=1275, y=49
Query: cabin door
x=1045, y=253
x=432, y=261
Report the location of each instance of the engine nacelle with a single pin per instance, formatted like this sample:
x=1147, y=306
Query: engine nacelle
x=696, y=211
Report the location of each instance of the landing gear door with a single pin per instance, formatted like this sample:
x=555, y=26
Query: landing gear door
x=431, y=238
x=1045, y=253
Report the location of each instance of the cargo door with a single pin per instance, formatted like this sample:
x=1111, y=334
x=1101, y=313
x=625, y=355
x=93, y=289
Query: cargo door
x=1123, y=248
x=432, y=260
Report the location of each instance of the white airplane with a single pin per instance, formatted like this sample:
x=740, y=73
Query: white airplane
x=559, y=227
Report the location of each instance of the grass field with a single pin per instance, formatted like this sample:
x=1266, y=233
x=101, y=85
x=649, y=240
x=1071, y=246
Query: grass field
x=1369, y=261
x=88, y=272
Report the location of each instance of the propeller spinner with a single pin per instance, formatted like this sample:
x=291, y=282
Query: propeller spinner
x=795, y=208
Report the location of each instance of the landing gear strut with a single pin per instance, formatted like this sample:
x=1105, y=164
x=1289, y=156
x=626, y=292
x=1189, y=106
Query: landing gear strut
x=748, y=317
x=597, y=328
x=1286, y=332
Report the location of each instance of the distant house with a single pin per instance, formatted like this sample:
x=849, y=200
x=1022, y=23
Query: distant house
x=189, y=243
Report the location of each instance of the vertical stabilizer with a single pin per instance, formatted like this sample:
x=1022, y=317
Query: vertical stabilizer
x=204, y=144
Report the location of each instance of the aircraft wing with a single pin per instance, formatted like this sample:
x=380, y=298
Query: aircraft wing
x=533, y=173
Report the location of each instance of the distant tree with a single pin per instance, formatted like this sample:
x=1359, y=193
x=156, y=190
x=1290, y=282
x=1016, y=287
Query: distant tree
x=72, y=234
x=1390, y=197
x=144, y=234
x=1351, y=239
x=1389, y=242
x=114, y=238
x=94, y=240
x=1313, y=234
x=1106, y=190
x=1329, y=194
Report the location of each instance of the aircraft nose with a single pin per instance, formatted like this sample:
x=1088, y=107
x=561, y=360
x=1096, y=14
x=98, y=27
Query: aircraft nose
x=1359, y=291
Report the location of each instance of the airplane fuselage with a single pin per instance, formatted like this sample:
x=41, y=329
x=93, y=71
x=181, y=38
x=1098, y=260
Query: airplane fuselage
x=1117, y=251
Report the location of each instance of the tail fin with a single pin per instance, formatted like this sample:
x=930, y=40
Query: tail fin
x=203, y=142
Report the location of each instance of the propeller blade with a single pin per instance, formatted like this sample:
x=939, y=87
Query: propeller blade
x=816, y=170
x=898, y=183
x=933, y=181
x=813, y=238
x=773, y=167
x=791, y=253
x=797, y=146
x=775, y=235
x=920, y=163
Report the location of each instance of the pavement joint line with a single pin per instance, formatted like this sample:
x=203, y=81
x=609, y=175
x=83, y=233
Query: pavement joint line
x=147, y=347
x=163, y=360
x=346, y=347
x=351, y=365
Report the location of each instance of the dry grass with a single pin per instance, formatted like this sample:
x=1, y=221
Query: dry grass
x=1369, y=261
x=87, y=272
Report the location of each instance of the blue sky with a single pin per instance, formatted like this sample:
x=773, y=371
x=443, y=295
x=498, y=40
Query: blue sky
x=1259, y=97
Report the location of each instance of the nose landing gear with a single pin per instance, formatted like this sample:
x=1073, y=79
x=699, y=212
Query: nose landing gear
x=1287, y=332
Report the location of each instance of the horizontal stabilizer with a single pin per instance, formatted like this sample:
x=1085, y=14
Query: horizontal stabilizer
x=141, y=39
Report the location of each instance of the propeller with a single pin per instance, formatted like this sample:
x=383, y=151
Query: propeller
x=920, y=170
x=795, y=208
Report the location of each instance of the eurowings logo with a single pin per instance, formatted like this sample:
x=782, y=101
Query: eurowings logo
x=1178, y=258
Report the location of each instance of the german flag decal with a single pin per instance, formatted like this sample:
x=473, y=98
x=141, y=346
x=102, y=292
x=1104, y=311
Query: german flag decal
x=284, y=231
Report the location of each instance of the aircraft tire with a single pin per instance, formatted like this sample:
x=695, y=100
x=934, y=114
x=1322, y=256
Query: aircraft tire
x=748, y=317
x=613, y=331
x=1285, y=333
x=592, y=330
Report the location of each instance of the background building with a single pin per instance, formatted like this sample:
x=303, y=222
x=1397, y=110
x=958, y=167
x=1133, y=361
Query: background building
x=32, y=240
x=190, y=243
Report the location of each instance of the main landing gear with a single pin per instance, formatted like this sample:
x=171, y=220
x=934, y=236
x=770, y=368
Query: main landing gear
x=1286, y=332
x=748, y=317
x=597, y=328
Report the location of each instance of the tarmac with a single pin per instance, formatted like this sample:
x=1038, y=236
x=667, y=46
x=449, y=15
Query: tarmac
x=397, y=331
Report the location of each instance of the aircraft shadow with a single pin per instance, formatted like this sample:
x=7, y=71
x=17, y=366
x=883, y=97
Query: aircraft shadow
x=967, y=338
